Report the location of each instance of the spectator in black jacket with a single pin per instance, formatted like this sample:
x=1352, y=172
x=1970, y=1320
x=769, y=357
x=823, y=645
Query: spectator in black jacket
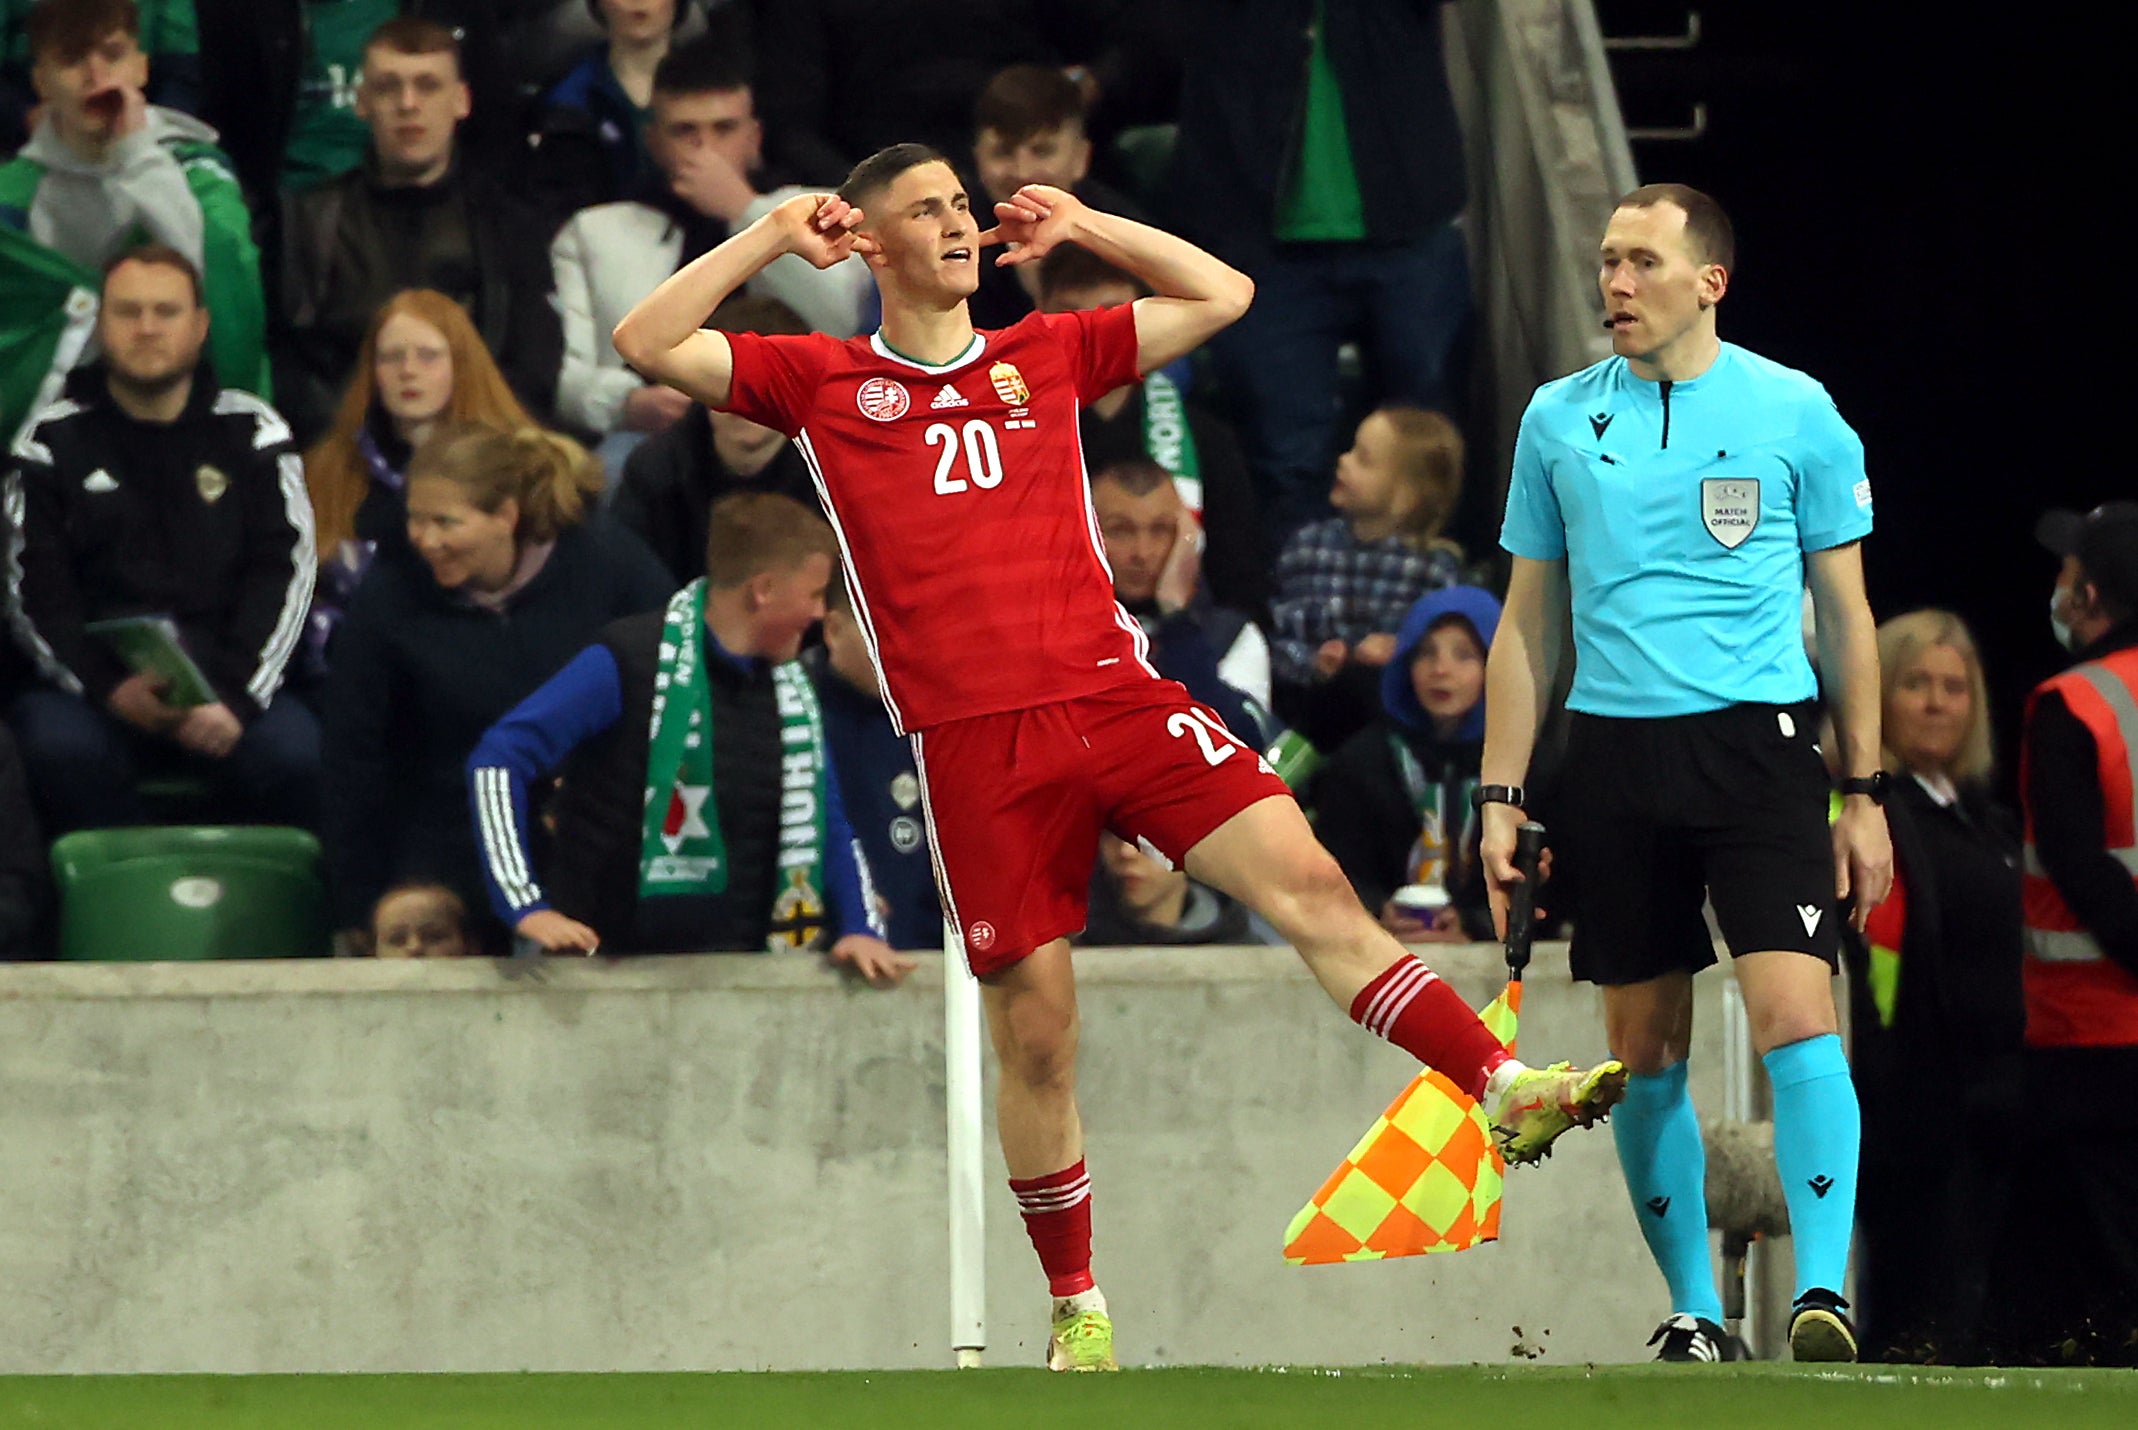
x=1393, y=803
x=1154, y=547
x=151, y=491
x=1154, y=419
x=414, y=216
x=1934, y=981
x=672, y=479
x=1319, y=153
x=700, y=807
x=512, y=580
x=877, y=777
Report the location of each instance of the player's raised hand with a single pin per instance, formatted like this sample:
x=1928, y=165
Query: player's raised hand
x=1035, y=218
x=823, y=228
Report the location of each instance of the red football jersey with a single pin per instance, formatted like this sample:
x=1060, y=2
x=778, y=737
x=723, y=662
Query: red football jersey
x=962, y=506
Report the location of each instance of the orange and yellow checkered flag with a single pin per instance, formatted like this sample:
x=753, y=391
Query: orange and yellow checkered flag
x=1425, y=1177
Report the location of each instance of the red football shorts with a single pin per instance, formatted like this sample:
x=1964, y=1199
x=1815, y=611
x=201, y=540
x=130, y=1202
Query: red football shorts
x=1015, y=802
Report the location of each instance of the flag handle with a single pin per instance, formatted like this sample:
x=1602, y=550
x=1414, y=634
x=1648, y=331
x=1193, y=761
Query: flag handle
x=1522, y=899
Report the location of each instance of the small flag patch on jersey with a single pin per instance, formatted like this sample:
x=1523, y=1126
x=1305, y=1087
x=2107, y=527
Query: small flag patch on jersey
x=948, y=397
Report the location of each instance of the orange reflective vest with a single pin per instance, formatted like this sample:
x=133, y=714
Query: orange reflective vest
x=2076, y=995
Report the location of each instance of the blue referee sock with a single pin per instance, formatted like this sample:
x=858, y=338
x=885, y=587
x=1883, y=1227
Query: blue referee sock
x=1818, y=1132
x=1659, y=1148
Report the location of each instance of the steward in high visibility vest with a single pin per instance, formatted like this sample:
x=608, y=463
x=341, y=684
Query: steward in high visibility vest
x=2072, y=1289
x=2077, y=777
x=2076, y=994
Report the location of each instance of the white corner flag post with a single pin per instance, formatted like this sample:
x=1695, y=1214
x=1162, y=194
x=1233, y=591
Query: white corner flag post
x=962, y=1102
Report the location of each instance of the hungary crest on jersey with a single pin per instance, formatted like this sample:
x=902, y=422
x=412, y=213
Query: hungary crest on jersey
x=1009, y=384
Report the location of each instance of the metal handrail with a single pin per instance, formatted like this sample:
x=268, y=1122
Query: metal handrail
x=1617, y=148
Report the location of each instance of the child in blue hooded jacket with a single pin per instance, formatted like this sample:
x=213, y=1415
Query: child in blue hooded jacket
x=1393, y=803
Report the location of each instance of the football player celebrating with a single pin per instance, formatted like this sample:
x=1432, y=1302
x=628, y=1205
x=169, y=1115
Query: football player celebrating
x=949, y=464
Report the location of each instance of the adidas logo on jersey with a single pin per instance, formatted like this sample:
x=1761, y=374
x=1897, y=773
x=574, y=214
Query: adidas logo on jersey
x=948, y=397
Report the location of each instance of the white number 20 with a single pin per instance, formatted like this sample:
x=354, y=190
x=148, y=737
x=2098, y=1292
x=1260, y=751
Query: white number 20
x=983, y=459
x=1218, y=743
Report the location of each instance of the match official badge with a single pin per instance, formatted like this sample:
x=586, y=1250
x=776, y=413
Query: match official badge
x=883, y=400
x=1009, y=384
x=212, y=484
x=1729, y=508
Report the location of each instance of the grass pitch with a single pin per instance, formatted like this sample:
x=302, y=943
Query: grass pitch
x=1490, y=1397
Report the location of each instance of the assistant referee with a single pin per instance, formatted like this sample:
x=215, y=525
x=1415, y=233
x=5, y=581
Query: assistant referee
x=1681, y=495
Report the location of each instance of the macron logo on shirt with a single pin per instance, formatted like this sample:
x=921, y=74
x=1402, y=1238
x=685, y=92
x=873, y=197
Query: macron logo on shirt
x=948, y=397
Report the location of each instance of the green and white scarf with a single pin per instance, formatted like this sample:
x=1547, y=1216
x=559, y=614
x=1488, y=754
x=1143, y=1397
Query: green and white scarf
x=1169, y=441
x=682, y=851
x=1442, y=848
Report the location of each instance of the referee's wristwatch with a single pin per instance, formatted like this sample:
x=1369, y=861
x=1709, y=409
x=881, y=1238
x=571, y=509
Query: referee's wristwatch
x=1496, y=794
x=1872, y=787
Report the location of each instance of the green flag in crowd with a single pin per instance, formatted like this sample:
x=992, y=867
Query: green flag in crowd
x=48, y=310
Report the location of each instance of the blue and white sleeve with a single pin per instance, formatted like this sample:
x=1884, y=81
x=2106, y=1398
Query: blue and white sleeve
x=1533, y=527
x=1833, y=492
x=578, y=703
x=852, y=890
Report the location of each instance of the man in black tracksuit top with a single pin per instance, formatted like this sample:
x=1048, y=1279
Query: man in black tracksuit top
x=150, y=491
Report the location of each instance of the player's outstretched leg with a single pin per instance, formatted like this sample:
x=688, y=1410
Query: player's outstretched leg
x=1032, y=1019
x=1268, y=858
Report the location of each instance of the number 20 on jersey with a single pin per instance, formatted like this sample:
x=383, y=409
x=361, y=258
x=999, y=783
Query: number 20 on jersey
x=982, y=453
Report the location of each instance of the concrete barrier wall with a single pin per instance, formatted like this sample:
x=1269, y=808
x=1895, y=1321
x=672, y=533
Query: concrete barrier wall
x=714, y=1163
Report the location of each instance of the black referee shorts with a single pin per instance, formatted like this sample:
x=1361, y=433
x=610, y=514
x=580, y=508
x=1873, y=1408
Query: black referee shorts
x=1659, y=816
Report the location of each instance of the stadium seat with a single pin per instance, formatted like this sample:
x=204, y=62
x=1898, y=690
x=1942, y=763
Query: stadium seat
x=190, y=892
x=1294, y=759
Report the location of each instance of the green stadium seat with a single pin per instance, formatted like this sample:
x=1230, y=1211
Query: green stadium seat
x=190, y=892
x=1294, y=760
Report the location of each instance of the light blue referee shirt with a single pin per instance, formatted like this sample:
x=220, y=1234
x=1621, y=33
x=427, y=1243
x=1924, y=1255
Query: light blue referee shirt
x=1684, y=511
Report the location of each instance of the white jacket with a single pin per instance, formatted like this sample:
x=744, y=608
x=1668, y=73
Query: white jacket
x=608, y=257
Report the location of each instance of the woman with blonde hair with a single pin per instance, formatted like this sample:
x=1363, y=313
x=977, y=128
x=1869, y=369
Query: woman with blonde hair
x=1936, y=984
x=512, y=574
x=422, y=365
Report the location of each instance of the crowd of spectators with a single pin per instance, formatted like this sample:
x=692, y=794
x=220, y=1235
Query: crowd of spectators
x=305, y=308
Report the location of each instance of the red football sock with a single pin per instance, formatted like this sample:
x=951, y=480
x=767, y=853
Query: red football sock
x=1057, y=1216
x=1410, y=1007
